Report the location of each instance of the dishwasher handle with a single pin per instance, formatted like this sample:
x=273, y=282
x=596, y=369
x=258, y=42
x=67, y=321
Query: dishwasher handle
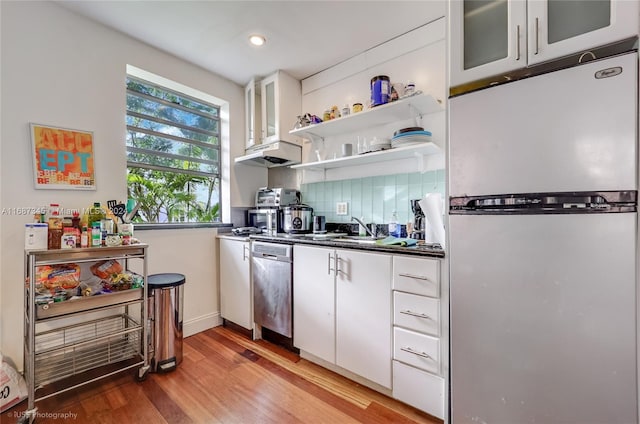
x=269, y=257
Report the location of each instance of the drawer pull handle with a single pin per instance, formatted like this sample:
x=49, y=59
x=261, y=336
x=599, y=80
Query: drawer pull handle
x=415, y=352
x=417, y=277
x=415, y=314
x=245, y=253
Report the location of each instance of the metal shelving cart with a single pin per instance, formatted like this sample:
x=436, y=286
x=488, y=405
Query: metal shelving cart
x=88, y=349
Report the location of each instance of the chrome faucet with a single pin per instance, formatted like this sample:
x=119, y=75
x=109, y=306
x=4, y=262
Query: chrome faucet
x=353, y=218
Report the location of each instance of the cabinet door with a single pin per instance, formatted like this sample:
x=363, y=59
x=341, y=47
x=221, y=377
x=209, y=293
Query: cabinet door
x=560, y=27
x=487, y=38
x=269, y=97
x=235, y=282
x=252, y=118
x=363, y=315
x=314, y=301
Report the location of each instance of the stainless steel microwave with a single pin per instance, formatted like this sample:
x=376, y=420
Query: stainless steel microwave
x=259, y=218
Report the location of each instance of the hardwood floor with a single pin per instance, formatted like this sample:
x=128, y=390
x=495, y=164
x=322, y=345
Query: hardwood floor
x=227, y=378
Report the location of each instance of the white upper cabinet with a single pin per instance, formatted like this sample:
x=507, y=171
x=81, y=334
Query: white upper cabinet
x=252, y=114
x=562, y=27
x=492, y=37
x=281, y=103
x=487, y=38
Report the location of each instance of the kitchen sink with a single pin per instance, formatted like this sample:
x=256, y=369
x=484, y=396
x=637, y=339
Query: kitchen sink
x=357, y=239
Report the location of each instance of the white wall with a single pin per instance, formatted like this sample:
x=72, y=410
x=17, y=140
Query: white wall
x=418, y=56
x=199, y=265
x=63, y=70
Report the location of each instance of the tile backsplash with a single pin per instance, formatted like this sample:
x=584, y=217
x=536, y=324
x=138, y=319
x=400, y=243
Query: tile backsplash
x=374, y=198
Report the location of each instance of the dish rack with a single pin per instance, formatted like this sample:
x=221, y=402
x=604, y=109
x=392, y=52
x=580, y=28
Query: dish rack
x=83, y=350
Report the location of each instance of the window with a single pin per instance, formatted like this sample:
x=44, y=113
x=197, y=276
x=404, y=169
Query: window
x=173, y=154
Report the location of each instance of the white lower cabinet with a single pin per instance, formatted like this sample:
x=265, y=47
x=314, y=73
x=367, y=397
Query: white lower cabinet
x=419, y=389
x=314, y=308
x=342, y=309
x=363, y=314
x=374, y=315
x=417, y=327
x=235, y=282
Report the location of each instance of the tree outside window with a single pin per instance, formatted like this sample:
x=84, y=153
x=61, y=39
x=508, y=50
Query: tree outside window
x=173, y=155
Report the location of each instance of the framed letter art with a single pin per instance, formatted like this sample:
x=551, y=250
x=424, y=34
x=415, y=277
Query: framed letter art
x=63, y=159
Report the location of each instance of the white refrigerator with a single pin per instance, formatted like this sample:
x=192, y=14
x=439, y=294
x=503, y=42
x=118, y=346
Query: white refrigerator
x=543, y=248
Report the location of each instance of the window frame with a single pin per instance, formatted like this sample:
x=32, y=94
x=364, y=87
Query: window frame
x=217, y=147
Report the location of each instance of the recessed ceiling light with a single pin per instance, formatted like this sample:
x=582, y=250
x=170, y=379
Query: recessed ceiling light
x=257, y=39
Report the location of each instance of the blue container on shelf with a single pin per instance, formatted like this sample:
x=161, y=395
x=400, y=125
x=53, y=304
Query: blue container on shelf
x=380, y=90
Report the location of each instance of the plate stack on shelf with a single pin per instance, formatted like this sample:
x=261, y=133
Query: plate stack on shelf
x=409, y=136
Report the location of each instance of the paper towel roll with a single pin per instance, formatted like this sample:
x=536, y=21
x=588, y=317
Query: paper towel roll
x=431, y=205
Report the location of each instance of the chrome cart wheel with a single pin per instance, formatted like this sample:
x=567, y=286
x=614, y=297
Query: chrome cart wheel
x=28, y=417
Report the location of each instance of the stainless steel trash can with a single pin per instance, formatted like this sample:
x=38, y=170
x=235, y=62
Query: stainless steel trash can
x=165, y=315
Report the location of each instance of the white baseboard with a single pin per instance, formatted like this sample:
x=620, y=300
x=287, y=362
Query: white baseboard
x=201, y=323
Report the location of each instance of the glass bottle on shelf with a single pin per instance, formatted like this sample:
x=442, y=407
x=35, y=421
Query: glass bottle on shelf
x=96, y=214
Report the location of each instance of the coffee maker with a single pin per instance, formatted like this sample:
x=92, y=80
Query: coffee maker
x=418, y=220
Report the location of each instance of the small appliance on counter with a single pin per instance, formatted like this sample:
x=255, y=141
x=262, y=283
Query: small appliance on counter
x=418, y=220
x=270, y=202
x=298, y=219
x=264, y=219
x=276, y=197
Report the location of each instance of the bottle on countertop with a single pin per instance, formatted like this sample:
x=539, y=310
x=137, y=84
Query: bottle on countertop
x=394, y=228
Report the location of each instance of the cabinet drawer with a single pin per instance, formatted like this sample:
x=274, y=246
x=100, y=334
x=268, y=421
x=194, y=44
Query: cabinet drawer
x=416, y=275
x=417, y=313
x=416, y=349
x=419, y=389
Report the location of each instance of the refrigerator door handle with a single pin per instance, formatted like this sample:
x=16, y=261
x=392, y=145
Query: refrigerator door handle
x=535, y=203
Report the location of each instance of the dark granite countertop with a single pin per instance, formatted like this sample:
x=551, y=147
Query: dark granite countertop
x=427, y=250
x=231, y=236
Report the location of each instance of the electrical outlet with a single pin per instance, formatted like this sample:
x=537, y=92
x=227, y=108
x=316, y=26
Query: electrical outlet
x=342, y=208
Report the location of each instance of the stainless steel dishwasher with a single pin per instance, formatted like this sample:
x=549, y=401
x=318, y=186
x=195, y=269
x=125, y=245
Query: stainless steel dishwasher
x=272, y=270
